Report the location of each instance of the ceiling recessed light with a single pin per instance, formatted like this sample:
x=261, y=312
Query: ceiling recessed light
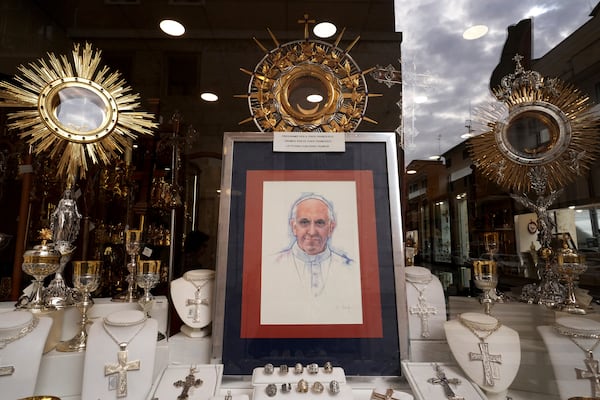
x=324, y=29
x=411, y=171
x=171, y=27
x=435, y=158
x=475, y=32
x=208, y=96
x=420, y=99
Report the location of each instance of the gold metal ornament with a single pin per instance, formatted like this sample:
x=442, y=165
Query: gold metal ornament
x=541, y=130
x=307, y=86
x=75, y=111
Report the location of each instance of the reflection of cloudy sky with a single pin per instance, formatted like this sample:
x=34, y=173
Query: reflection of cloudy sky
x=454, y=73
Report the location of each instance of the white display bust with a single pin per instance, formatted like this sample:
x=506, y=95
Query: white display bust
x=102, y=351
x=503, y=344
x=21, y=333
x=192, y=297
x=567, y=357
x=425, y=321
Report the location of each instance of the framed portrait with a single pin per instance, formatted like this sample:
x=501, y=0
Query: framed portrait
x=310, y=257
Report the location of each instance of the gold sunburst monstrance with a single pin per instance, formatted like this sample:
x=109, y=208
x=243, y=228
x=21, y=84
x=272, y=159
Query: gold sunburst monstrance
x=283, y=82
x=540, y=135
x=75, y=111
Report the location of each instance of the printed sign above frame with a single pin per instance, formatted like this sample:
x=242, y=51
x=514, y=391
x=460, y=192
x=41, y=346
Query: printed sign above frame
x=280, y=213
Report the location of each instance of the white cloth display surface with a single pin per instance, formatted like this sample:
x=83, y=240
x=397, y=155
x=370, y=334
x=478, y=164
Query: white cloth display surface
x=426, y=384
x=192, y=297
x=22, y=339
x=119, y=359
x=576, y=374
x=488, y=352
x=426, y=304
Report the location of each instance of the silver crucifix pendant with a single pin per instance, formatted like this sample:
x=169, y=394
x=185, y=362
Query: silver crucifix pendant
x=592, y=373
x=197, y=301
x=423, y=311
x=490, y=363
x=120, y=370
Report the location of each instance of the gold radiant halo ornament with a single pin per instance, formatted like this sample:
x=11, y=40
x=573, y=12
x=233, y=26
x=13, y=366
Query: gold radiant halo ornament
x=75, y=111
x=543, y=133
x=307, y=86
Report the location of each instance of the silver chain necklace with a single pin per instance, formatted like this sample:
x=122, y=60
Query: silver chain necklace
x=120, y=369
x=203, y=282
x=592, y=371
x=195, y=314
x=24, y=331
x=490, y=361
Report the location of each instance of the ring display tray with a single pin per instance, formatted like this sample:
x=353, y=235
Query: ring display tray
x=260, y=381
x=209, y=374
x=259, y=377
x=418, y=374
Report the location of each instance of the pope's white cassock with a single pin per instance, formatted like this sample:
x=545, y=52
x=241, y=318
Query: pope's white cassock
x=302, y=289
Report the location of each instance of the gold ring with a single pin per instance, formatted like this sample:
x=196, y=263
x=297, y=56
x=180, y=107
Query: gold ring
x=317, y=387
x=302, y=386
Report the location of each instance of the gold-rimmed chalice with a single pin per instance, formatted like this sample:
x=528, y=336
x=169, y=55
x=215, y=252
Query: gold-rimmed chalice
x=41, y=261
x=569, y=265
x=133, y=246
x=86, y=279
x=485, y=276
x=147, y=277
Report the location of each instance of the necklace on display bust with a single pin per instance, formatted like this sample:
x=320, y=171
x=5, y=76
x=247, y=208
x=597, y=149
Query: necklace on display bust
x=15, y=326
x=482, y=330
x=10, y=334
x=195, y=313
x=592, y=371
x=422, y=309
x=123, y=365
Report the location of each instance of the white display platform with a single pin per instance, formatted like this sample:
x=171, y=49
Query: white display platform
x=188, y=350
x=209, y=376
x=566, y=357
x=24, y=370
x=418, y=375
x=104, y=306
x=101, y=308
x=61, y=374
x=430, y=351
